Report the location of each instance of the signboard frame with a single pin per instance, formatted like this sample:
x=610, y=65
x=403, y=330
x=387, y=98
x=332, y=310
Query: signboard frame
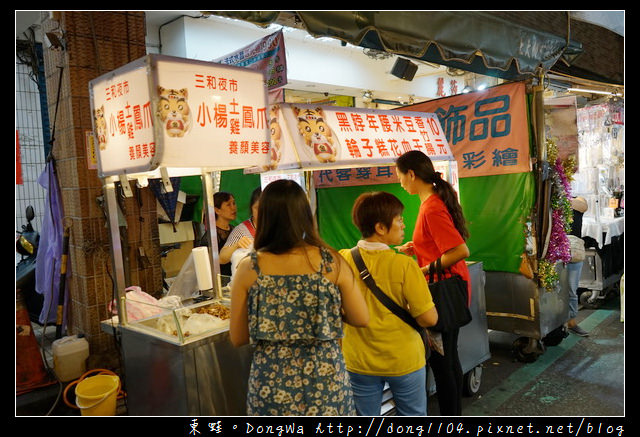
x=165, y=151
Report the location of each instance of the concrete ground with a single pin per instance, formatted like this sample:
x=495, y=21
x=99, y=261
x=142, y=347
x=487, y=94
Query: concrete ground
x=582, y=376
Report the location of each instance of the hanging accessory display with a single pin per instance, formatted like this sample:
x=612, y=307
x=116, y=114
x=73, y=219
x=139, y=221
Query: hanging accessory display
x=450, y=296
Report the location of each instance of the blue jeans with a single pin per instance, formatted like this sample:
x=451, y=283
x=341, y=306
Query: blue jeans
x=573, y=272
x=409, y=393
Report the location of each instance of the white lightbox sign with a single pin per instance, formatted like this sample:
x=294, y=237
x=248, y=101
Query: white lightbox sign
x=316, y=137
x=122, y=117
x=210, y=115
x=163, y=111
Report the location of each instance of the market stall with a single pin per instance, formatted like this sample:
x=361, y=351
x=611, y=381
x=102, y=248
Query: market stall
x=158, y=118
x=163, y=117
x=356, y=153
x=600, y=180
x=496, y=134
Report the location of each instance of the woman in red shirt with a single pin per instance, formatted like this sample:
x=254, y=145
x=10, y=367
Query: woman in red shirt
x=440, y=232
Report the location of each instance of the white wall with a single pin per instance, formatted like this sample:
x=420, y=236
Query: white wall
x=321, y=65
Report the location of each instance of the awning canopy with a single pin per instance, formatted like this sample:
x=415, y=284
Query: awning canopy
x=468, y=40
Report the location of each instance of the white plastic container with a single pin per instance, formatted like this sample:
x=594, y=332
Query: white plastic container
x=70, y=357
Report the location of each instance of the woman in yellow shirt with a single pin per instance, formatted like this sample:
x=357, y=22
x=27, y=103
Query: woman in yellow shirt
x=388, y=349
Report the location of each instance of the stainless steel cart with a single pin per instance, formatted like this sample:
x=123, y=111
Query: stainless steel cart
x=176, y=374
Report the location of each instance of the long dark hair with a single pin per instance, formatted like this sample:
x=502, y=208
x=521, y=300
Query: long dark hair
x=285, y=219
x=423, y=169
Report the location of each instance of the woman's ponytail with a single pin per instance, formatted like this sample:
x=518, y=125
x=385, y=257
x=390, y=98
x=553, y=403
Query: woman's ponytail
x=423, y=169
x=449, y=196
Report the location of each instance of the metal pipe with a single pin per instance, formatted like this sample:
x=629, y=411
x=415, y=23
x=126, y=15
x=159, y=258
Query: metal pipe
x=541, y=207
x=62, y=285
x=109, y=191
x=210, y=184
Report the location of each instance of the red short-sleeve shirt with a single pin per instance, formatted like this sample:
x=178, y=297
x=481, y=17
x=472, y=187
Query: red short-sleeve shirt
x=435, y=233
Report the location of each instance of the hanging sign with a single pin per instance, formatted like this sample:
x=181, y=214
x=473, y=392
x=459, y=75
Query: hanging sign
x=322, y=137
x=561, y=120
x=486, y=130
x=122, y=119
x=162, y=111
x=266, y=54
x=386, y=174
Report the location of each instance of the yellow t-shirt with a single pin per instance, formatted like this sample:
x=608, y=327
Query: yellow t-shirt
x=388, y=346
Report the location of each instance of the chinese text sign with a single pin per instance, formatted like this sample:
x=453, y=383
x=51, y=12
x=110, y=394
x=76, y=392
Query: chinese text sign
x=337, y=137
x=267, y=55
x=486, y=130
x=173, y=112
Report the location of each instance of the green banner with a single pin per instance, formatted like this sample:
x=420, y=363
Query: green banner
x=334, y=212
x=233, y=181
x=496, y=209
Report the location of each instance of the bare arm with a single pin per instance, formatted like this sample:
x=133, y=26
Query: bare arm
x=450, y=257
x=239, y=323
x=428, y=318
x=406, y=248
x=227, y=251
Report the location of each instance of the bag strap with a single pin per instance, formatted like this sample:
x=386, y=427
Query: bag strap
x=382, y=297
x=435, y=268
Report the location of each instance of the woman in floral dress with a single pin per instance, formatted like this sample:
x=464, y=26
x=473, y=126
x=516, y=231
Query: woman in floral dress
x=289, y=298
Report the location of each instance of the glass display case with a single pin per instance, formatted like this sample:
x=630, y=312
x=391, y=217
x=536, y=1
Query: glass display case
x=178, y=359
x=192, y=320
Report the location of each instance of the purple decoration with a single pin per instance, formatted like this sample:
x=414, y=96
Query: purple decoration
x=49, y=255
x=559, y=249
x=563, y=178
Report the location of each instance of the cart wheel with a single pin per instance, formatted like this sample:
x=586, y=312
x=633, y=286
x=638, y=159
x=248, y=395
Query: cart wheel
x=555, y=337
x=527, y=349
x=472, y=381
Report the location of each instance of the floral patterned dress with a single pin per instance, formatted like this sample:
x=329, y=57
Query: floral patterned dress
x=298, y=367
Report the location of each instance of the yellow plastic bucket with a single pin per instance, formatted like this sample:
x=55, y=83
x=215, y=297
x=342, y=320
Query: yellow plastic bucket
x=96, y=395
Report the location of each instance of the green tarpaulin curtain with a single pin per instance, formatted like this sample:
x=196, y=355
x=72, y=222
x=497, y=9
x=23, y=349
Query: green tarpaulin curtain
x=334, y=212
x=232, y=181
x=496, y=209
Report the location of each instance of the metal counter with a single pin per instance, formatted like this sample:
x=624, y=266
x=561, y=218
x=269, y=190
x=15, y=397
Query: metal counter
x=207, y=377
x=201, y=374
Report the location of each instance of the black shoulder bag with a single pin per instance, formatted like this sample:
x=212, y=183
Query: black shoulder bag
x=383, y=298
x=450, y=297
